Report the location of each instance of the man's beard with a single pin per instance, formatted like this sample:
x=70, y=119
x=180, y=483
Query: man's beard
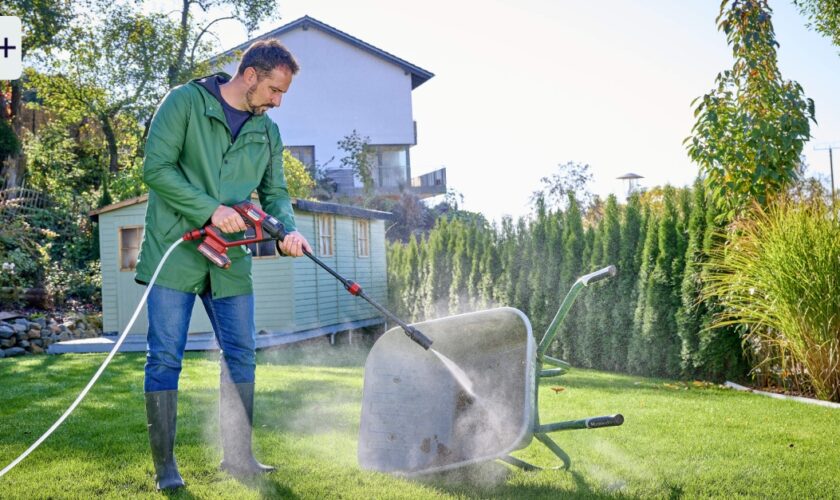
x=252, y=107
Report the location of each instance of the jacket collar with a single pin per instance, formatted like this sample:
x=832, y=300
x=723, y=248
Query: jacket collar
x=213, y=109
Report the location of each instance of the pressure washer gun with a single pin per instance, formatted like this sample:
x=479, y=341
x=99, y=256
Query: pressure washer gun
x=215, y=245
x=267, y=228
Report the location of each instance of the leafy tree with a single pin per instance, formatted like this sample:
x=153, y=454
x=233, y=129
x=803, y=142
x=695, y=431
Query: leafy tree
x=359, y=158
x=823, y=16
x=191, y=49
x=570, y=178
x=752, y=126
x=114, y=71
x=43, y=23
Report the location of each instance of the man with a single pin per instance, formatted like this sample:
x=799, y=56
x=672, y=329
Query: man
x=210, y=145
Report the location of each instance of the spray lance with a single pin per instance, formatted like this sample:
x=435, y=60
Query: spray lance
x=267, y=228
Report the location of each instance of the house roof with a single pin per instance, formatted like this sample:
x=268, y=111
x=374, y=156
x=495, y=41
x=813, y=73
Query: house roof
x=418, y=74
x=304, y=205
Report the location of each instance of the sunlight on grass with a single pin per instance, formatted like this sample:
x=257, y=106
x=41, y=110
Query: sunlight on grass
x=678, y=438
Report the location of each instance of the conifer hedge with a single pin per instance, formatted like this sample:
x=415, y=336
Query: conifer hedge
x=648, y=320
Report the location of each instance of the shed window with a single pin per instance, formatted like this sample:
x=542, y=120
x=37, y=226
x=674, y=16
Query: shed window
x=130, y=238
x=362, y=238
x=326, y=223
x=265, y=249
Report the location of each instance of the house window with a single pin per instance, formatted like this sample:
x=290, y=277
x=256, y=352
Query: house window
x=362, y=238
x=326, y=224
x=390, y=165
x=305, y=154
x=130, y=238
x=264, y=249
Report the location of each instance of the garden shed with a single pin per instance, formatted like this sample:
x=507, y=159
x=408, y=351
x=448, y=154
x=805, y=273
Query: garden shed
x=295, y=299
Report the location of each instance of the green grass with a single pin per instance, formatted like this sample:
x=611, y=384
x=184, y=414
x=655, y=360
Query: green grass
x=677, y=440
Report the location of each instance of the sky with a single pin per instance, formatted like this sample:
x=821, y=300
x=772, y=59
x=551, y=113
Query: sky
x=522, y=86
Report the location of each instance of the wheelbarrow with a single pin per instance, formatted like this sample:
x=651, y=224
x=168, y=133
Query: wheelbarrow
x=418, y=419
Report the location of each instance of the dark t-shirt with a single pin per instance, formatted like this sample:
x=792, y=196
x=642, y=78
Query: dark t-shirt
x=235, y=117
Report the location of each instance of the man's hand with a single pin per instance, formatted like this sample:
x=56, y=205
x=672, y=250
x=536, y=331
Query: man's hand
x=293, y=244
x=228, y=220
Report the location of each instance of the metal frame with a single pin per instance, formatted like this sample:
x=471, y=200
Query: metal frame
x=541, y=431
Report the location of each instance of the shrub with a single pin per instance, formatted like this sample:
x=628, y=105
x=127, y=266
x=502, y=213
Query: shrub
x=779, y=278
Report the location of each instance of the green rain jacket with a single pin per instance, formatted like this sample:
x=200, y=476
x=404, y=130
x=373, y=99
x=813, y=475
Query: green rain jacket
x=191, y=167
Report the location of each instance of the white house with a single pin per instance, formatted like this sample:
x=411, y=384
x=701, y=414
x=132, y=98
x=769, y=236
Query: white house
x=344, y=85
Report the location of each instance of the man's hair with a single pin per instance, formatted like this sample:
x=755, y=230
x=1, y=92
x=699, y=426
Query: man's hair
x=265, y=55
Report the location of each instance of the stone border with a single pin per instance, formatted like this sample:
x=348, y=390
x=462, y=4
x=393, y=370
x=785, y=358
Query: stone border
x=827, y=404
x=34, y=335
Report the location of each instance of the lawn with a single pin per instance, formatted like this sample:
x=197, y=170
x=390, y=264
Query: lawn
x=679, y=439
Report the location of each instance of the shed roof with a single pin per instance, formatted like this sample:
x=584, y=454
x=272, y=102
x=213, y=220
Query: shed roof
x=418, y=74
x=305, y=205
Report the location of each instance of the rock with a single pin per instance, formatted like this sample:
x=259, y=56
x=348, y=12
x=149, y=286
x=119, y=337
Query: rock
x=34, y=334
x=21, y=335
x=42, y=322
x=2, y=354
x=38, y=342
x=55, y=328
x=33, y=325
x=20, y=327
x=8, y=342
x=23, y=343
x=14, y=351
x=36, y=350
x=64, y=336
x=6, y=332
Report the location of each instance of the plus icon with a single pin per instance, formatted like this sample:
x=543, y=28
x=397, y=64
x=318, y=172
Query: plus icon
x=6, y=47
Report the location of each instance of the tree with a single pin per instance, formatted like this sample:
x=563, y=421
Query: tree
x=191, y=50
x=693, y=309
x=752, y=126
x=628, y=274
x=607, y=328
x=638, y=354
x=359, y=158
x=573, y=247
x=114, y=70
x=570, y=178
x=44, y=23
x=823, y=16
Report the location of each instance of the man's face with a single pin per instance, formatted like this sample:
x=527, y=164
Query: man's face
x=266, y=93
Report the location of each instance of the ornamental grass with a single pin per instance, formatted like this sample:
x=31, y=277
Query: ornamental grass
x=778, y=277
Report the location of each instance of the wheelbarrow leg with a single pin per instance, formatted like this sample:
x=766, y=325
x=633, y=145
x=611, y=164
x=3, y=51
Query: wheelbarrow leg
x=551, y=445
x=519, y=463
x=544, y=439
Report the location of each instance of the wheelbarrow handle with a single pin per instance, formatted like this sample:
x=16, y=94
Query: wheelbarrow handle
x=598, y=275
x=567, y=304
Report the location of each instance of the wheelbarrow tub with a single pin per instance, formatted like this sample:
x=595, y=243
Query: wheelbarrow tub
x=416, y=418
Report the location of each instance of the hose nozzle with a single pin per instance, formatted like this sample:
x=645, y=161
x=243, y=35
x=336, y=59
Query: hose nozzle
x=417, y=336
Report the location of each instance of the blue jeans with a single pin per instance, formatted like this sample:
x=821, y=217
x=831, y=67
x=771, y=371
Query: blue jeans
x=169, y=319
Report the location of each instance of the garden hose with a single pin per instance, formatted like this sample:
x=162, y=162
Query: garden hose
x=101, y=369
